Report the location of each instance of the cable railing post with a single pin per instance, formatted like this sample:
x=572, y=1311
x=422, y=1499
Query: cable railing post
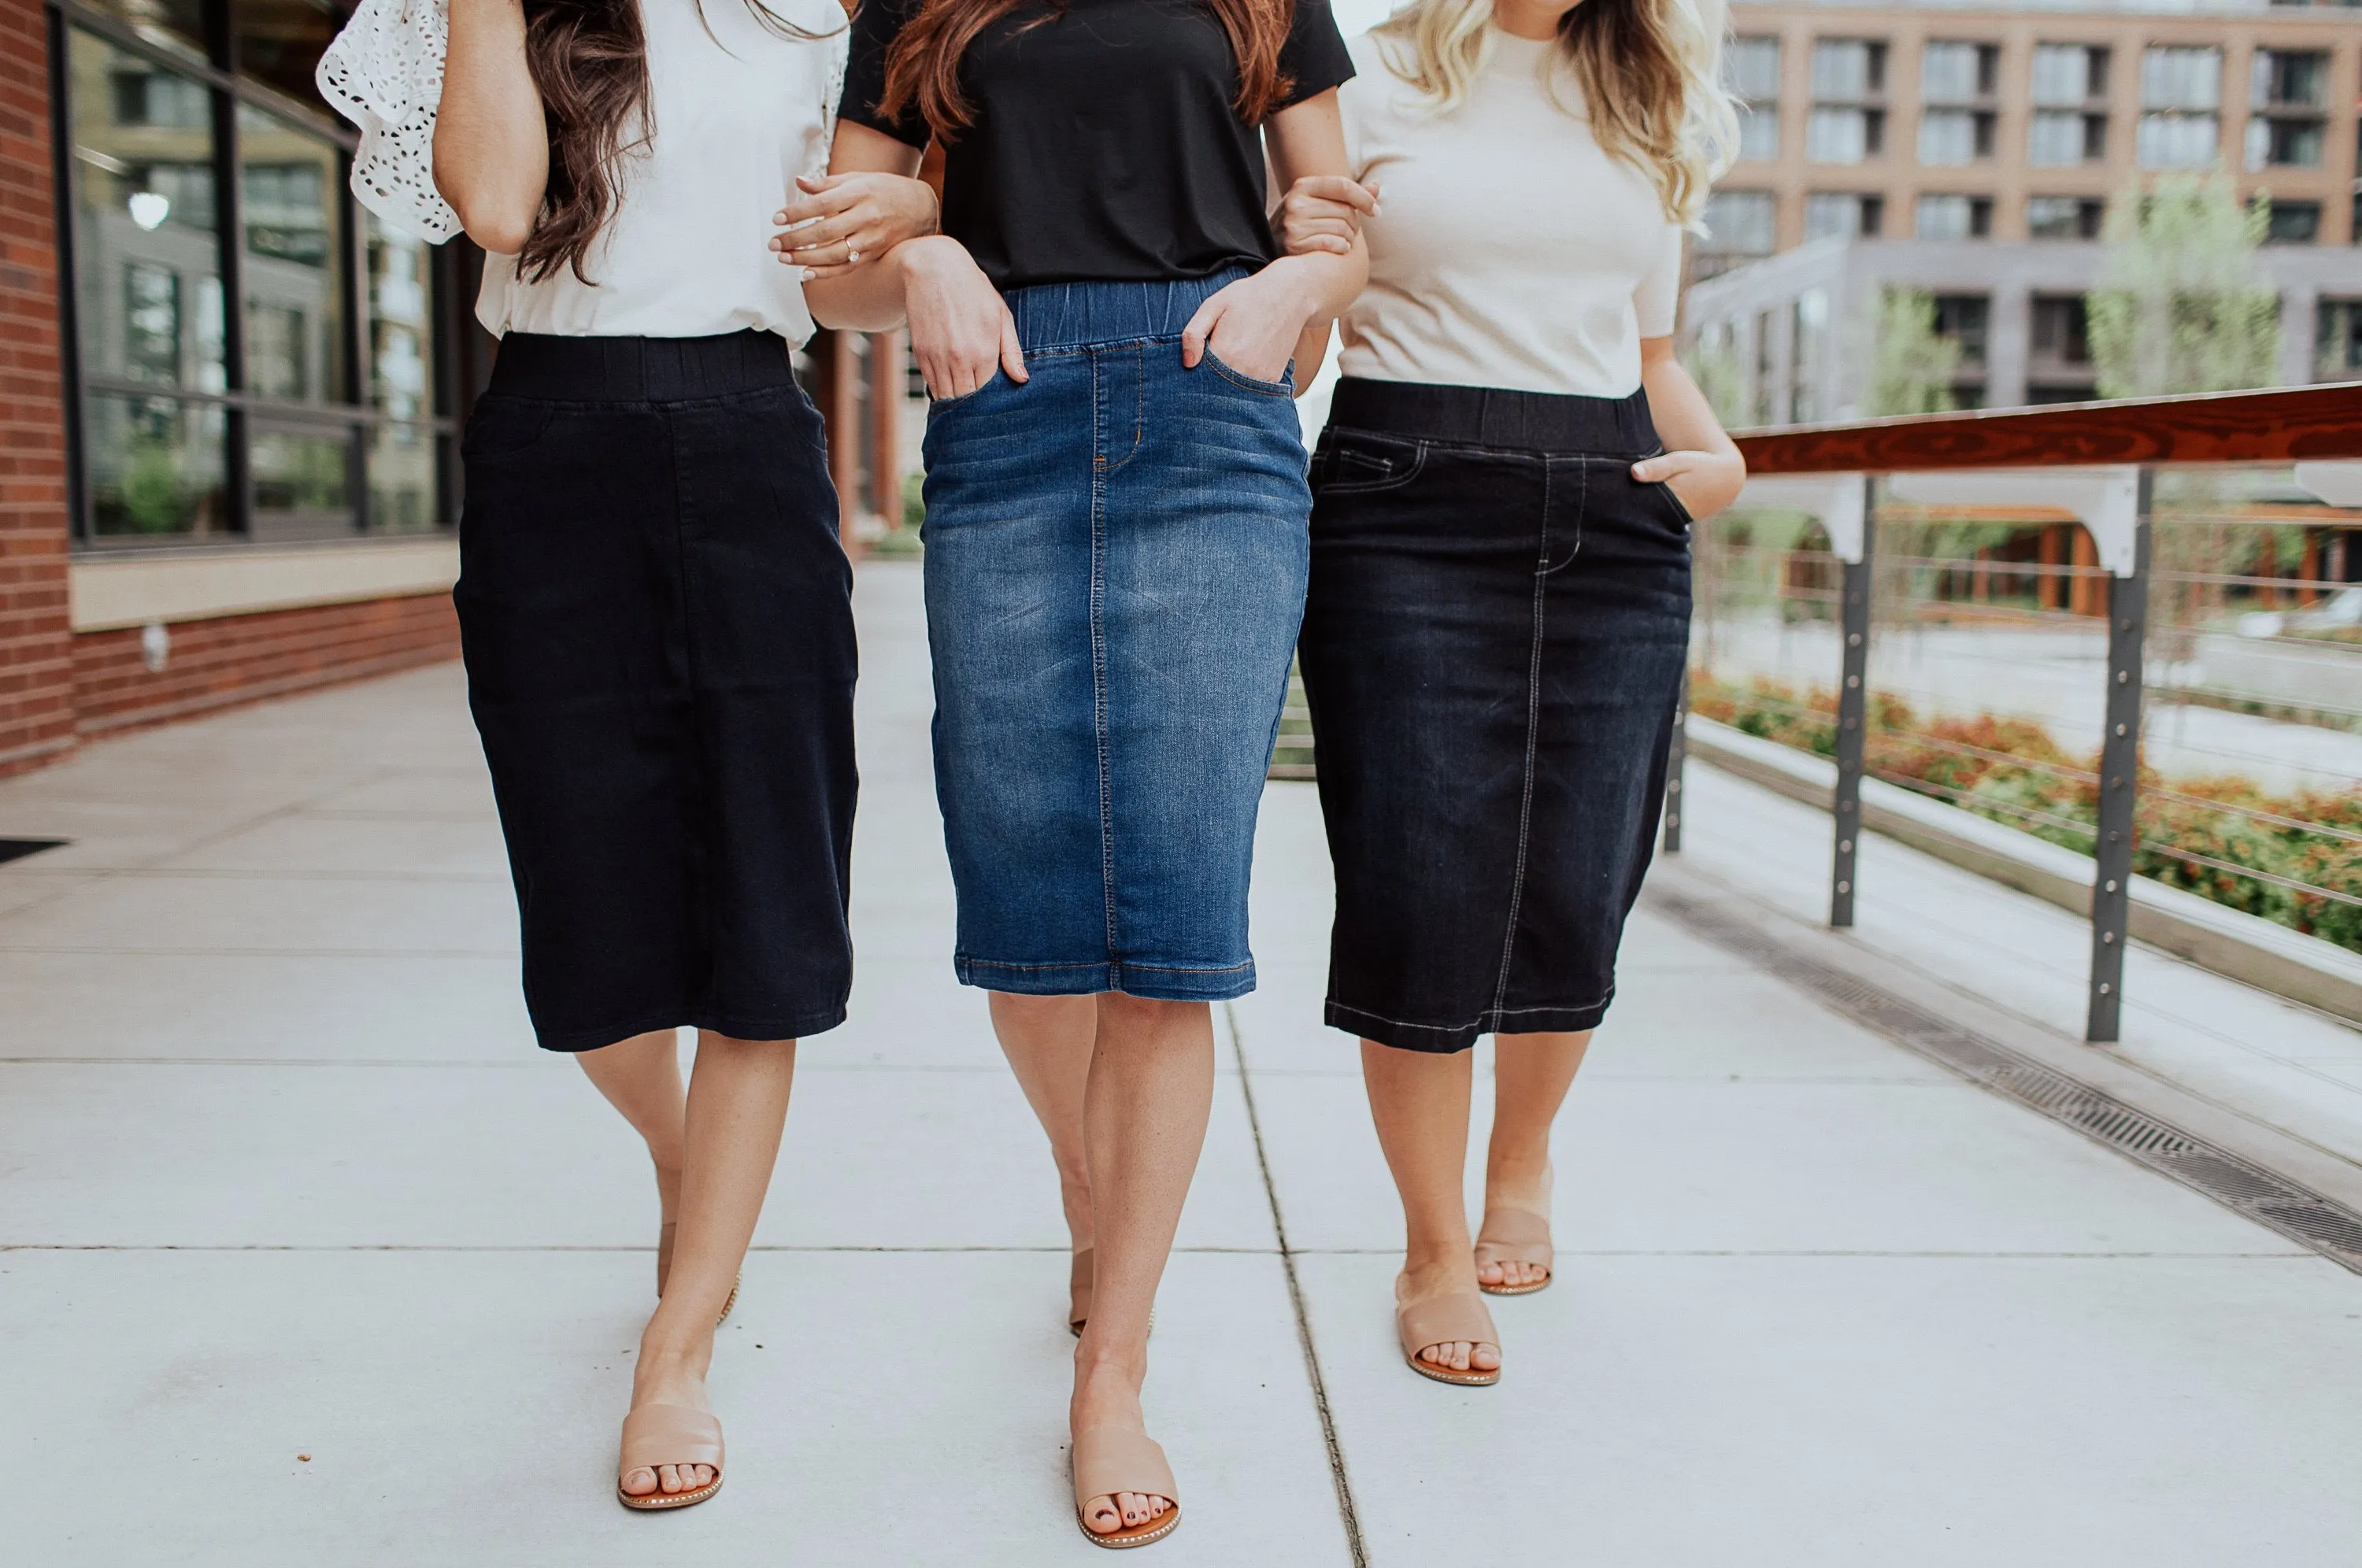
x=1676, y=758
x=2119, y=781
x=1853, y=709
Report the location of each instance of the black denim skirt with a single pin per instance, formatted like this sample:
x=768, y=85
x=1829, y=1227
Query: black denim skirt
x=658, y=624
x=1492, y=649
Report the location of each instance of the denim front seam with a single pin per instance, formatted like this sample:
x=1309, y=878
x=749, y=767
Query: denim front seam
x=1115, y=564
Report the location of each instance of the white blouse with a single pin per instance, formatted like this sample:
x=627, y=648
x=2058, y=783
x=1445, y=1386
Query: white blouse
x=736, y=114
x=1510, y=251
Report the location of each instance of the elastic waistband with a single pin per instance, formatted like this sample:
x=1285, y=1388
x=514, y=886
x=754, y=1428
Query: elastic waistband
x=1491, y=416
x=1077, y=315
x=639, y=369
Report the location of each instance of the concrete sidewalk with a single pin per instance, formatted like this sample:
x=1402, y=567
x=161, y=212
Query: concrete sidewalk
x=281, y=1174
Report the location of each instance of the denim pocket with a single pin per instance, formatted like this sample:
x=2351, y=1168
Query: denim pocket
x=500, y=424
x=990, y=382
x=1357, y=464
x=1283, y=387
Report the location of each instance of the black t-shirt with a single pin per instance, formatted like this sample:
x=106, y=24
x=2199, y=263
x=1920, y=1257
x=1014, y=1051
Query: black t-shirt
x=1106, y=144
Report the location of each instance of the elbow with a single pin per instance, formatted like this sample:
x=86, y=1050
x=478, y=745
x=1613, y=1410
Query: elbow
x=501, y=228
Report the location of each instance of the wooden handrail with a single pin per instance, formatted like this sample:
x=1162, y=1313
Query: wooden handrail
x=2285, y=424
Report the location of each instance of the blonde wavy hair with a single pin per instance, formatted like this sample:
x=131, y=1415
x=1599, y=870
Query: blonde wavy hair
x=1650, y=72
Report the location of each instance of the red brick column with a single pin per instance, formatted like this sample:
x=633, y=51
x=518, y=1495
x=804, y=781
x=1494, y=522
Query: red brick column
x=37, y=693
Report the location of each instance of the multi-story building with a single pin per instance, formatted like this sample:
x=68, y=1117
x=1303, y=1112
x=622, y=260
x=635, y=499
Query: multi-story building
x=1971, y=152
x=229, y=396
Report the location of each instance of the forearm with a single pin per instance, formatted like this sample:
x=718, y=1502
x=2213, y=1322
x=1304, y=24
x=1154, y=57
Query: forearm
x=1324, y=285
x=492, y=148
x=1311, y=349
x=1684, y=420
x=867, y=298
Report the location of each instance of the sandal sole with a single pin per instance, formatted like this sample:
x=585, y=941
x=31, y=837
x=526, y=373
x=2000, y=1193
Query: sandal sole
x=1138, y=1535
x=1457, y=1379
x=1512, y=1289
x=656, y=1502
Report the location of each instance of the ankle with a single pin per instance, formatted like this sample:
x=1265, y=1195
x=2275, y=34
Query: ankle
x=1522, y=1177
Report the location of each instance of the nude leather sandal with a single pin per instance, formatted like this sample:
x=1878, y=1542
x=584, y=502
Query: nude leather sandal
x=657, y=1435
x=1515, y=1235
x=664, y=1271
x=1108, y=1460
x=1080, y=1279
x=1442, y=1320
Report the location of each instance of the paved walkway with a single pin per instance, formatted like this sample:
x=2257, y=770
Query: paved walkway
x=281, y=1175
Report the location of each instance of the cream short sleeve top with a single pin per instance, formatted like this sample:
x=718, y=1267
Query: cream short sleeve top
x=1511, y=250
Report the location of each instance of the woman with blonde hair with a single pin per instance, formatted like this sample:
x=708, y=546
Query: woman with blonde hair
x=1498, y=611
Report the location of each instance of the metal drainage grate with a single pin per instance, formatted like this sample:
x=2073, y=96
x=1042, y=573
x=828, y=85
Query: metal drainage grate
x=2275, y=1202
x=18, y=848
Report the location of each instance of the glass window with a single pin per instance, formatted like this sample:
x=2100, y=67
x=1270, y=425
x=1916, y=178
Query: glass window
x=401, y=343
x=2059, y=139
x=2282, y=78
x=2293, y=223
x=2067, y=76
x=2337, y=339
x=1837, y=136
x=2063, y=217
x=302, y=481
x=1810, y=347
x=403, y=463
x=153, y=466
x=280, y=41
x=1956, y=73
x=1953, y=217
x=1850, y=217
x=1965, y=319
x=175, y=25
x=1948, y=138
x=2178, y=141
x=1848, y=70
x=2275, y=143
x=2181, y=78
x=1751, y=68
x=295, y=253
x=1741, y=223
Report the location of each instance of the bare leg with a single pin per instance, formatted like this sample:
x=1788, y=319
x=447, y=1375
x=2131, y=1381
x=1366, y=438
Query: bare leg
x=1048, y=1041
x=1532, y=1074
x=641, y=1077
x=1418, y=1100
x=1151, y=1089
x=737, y=1106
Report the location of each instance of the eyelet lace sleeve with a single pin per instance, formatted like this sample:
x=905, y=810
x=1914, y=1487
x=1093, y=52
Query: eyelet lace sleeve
x=384, y=72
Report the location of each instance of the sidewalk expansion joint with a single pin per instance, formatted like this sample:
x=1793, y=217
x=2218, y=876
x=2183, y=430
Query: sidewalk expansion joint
x=1347, y=1514
x=2309, y=1217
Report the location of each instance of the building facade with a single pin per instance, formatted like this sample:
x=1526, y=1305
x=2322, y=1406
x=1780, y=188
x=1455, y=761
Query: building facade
x=231, y=398
x=1970, y=152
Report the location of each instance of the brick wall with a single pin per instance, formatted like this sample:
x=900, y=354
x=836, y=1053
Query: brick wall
x=37, y=711
x=241, y=659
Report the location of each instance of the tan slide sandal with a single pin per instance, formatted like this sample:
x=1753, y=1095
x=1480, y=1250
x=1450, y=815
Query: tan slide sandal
x=1080, y=1278
x=664, y=1271
x=656, y=1435
x=1108, y=1460
x=1459, y=1318
x=1515, y=1235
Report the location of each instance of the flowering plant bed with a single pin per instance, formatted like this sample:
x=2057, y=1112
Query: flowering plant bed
x=2295, y=860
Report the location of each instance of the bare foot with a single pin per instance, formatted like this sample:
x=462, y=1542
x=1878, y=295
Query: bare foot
x=1108, y=1396
x=1449, y=1277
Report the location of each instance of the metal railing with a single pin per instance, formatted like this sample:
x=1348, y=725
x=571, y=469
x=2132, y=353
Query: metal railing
x=2134, y=629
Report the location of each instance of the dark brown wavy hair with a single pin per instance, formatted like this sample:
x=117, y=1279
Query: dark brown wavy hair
x=590, y=62
x=922, y=67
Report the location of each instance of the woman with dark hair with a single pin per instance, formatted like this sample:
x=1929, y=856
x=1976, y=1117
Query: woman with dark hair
x=1115, y=535
x=654, y=607
x=1499, y=604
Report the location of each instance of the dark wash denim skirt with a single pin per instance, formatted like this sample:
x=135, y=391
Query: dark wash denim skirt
x=1115, y=580
x=1492, y=649
x=658, y=625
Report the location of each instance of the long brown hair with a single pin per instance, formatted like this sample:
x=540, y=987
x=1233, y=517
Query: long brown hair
x=923, y=66
x=590, y=62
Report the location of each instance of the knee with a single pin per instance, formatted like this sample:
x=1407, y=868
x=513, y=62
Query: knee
x=1149, y=1013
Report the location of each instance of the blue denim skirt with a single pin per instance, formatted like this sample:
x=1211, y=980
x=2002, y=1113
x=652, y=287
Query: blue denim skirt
x=1116, y=555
